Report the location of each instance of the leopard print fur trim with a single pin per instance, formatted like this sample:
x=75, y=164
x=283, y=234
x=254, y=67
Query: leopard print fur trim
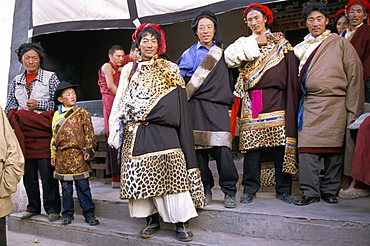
x=271, y=137
x=196, y=188
x=152, y=174
x=290, y=164
x=156, y=174
x=262, y=138
x=268, y=130
x=268, y=177
x=147, y=86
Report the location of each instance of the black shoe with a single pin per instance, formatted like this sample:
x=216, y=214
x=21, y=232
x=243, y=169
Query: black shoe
x=305, y=200
x=329, y=198
x=67, y=219
x=28, y=215
x=230, y=201
x=285, y=197
x=53, y=217
x=152, y=226
x=91, y=220
x=183, y=232
x=247, y=197
x=208, y=193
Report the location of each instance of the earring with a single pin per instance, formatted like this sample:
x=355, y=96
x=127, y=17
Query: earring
x=139, y=56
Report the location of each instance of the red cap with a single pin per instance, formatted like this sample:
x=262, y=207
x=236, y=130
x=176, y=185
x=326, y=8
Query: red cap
x=162, y=48
x=264, y=9
x=364, y=2
x=342, y=11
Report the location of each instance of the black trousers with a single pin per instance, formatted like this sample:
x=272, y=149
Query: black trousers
x=111, y=162
x=50, y=187
x=2, y=232
x=252, y=171
x=225, y=167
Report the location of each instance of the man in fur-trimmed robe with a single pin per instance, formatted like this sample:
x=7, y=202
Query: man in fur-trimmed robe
x=267, y=95
x=209, y=92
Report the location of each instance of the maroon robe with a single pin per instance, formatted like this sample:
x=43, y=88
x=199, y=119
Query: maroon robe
x=361, y=157
x=33, y=131
x=107, y=95
x=361, y=42
x=112, y=167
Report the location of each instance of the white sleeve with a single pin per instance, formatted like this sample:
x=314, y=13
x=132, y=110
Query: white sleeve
x=243, y=49
x=114, y=118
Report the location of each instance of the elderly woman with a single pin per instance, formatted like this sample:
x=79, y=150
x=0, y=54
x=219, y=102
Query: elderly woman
x=159, y=173
x=268, y=90
x=29, y=108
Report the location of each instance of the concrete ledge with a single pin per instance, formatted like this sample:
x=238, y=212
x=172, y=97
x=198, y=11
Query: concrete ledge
x=265, y=221
x=114, y=232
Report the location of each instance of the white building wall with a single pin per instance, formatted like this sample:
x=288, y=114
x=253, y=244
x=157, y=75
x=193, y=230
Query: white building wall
x=6, y=20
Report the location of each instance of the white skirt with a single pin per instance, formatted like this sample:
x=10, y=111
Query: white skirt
x=173, y=208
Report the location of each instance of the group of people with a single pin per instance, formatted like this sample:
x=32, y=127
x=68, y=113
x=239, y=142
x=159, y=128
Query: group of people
x=39, y=140
x=164, y=120
x=56, y=137
x=293, y=103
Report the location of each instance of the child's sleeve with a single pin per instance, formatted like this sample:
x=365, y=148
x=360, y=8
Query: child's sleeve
x=89, y=135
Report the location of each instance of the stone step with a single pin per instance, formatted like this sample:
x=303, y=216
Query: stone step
x=266, y=218
x=117, y=232
x=17, y=239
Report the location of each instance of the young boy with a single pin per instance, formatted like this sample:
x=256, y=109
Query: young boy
x=72, y=146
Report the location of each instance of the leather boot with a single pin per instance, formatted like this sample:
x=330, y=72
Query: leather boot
x=183, y=232
x=208, y=193
x=152, y=226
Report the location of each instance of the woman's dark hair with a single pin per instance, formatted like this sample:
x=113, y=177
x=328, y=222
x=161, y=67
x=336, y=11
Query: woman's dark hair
x=133, y=46
x=336, y=21
x=23, y=48
x=148, y=30
x=313, y=6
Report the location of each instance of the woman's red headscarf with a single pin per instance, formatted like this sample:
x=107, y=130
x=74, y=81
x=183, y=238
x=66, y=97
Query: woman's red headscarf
x=264, y=9
x=340, y=12
x=162, y=48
